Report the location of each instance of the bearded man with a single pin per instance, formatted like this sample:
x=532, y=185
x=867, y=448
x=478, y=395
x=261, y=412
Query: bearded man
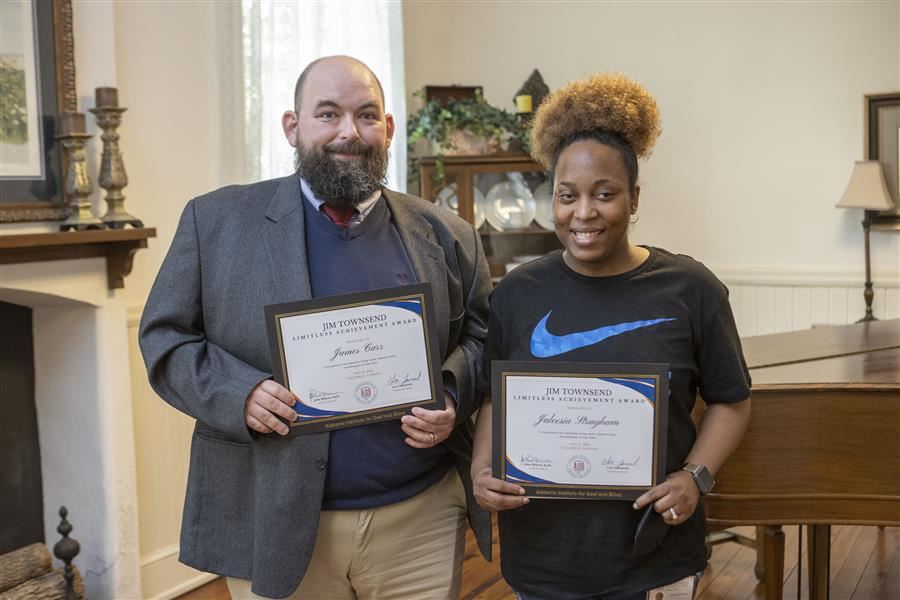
x=376, y=511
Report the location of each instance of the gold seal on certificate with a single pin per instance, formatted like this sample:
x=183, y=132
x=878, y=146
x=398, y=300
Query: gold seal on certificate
x=357, y=359
x=580, y=430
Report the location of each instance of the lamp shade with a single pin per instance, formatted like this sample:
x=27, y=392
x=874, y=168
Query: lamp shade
x=867, y=188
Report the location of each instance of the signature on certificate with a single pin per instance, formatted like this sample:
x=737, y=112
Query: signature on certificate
x=315, y=394
x=610, y=461
x=405, y=379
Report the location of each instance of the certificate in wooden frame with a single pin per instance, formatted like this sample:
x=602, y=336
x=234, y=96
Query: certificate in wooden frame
x=638, y=378
x=316, y=410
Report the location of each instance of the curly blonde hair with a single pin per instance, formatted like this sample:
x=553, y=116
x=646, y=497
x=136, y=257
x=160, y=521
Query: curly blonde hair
x=601, y=102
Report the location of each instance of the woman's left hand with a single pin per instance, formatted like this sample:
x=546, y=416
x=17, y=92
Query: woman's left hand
x=675, y=499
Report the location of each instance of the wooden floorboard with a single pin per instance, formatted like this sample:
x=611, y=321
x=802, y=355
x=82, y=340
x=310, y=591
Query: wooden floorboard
x=865, y=565
x=728, y=583
x=846, y=579
x=214, y=590
x=881, y=577
x=718, y=562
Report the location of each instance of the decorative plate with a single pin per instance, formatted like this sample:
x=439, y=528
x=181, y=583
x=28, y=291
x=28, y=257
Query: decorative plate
x=509, y=205
x=543, y=198
x=449, y=199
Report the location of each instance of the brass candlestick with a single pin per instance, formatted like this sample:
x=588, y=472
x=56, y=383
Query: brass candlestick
x=112, y=170
x=77, y=185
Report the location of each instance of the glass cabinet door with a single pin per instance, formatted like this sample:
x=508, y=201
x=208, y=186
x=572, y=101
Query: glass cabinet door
x=507, y=199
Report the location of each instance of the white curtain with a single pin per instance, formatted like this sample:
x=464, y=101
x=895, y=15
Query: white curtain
x=280, y=37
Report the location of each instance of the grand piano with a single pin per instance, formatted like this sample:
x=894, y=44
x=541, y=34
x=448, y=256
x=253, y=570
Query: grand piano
x=822, y=445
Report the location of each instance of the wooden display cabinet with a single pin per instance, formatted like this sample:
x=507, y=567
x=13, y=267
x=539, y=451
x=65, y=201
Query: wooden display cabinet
x=463, y=176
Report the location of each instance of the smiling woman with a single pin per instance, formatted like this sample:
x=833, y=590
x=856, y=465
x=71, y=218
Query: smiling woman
x=605, y=300
x=592, y=204
x=591, y=149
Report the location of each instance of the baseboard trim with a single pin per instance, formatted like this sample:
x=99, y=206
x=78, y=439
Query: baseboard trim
x=157, y=556
x=164, y=578
x=187, y=586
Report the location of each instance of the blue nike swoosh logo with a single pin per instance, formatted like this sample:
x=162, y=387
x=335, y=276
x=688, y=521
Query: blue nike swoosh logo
x=544, y=344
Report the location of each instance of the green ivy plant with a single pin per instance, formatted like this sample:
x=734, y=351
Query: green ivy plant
x=436, y=122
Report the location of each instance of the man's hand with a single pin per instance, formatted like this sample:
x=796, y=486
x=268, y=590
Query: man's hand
x=264, y=402
x=428, y=428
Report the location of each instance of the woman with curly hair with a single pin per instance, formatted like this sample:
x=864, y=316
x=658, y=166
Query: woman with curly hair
x=589, y=136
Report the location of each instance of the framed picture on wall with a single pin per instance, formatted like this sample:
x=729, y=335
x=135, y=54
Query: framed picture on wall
x=882, y=129
x=37, y=83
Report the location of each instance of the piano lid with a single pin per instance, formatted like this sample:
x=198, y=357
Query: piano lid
x=820, y=343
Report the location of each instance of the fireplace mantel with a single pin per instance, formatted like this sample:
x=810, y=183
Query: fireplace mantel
x=117, y=245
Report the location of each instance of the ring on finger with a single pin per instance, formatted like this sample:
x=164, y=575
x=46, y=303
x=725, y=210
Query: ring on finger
x=432, y=438
x=673, y=514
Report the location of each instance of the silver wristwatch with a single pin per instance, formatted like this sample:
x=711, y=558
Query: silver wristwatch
x=702, y=477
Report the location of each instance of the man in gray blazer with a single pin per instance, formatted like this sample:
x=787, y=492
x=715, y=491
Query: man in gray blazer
x=369, y=512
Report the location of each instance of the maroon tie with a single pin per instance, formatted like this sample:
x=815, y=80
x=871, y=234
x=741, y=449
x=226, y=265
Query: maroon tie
x=339, y=216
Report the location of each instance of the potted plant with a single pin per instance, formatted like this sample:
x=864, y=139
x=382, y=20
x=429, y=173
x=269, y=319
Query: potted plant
x=462, y=127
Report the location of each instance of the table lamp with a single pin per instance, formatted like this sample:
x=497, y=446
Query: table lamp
x=867, y=190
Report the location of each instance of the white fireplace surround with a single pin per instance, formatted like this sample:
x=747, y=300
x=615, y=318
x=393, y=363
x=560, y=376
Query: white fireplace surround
x=84, y=414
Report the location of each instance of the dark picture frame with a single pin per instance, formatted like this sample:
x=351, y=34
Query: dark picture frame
x=882, y=143
x=317, y=420
x=42, y=199
x=500, y=466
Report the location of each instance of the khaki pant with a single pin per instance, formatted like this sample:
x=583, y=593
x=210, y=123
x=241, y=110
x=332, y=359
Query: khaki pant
x=411, y=550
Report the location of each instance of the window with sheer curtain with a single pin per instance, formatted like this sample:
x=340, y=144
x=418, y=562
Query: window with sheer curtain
x=279, y=38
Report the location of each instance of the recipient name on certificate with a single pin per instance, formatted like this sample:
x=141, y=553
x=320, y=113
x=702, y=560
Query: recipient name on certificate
x=577, y=430
x=357, y=359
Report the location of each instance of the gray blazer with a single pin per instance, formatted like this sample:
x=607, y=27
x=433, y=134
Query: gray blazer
x=253, y=501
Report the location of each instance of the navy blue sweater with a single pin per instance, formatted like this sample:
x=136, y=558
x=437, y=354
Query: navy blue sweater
x=371, y=465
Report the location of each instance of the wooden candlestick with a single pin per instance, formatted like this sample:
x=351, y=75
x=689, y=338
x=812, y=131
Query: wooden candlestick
x=112, y=176
x=77, y=185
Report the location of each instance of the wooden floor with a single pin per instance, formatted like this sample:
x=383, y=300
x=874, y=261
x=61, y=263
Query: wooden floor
x=865, y=565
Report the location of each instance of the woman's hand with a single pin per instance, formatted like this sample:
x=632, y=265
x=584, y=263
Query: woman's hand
x=494, y=494
x=491, y=494
x=675, y=499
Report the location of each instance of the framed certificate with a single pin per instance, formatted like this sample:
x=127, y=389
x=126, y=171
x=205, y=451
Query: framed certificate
x=580, y=430
x=357, y=359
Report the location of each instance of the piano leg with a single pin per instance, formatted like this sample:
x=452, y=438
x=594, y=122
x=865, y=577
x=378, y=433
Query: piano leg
x=818, y=551
x=770, y=560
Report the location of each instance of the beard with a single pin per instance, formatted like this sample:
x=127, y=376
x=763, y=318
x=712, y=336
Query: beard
x=342, y=182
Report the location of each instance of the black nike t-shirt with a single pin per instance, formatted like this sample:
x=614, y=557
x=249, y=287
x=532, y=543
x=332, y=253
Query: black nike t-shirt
x=670, y=309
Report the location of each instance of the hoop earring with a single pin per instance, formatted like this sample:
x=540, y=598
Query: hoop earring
x=634, y=218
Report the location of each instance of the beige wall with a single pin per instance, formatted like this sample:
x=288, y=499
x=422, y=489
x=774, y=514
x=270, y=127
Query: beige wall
x=167, y=77
x=167, y=70
x=761, y=106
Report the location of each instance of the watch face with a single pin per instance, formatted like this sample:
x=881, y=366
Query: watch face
x=702, y=476
x=706, y=481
